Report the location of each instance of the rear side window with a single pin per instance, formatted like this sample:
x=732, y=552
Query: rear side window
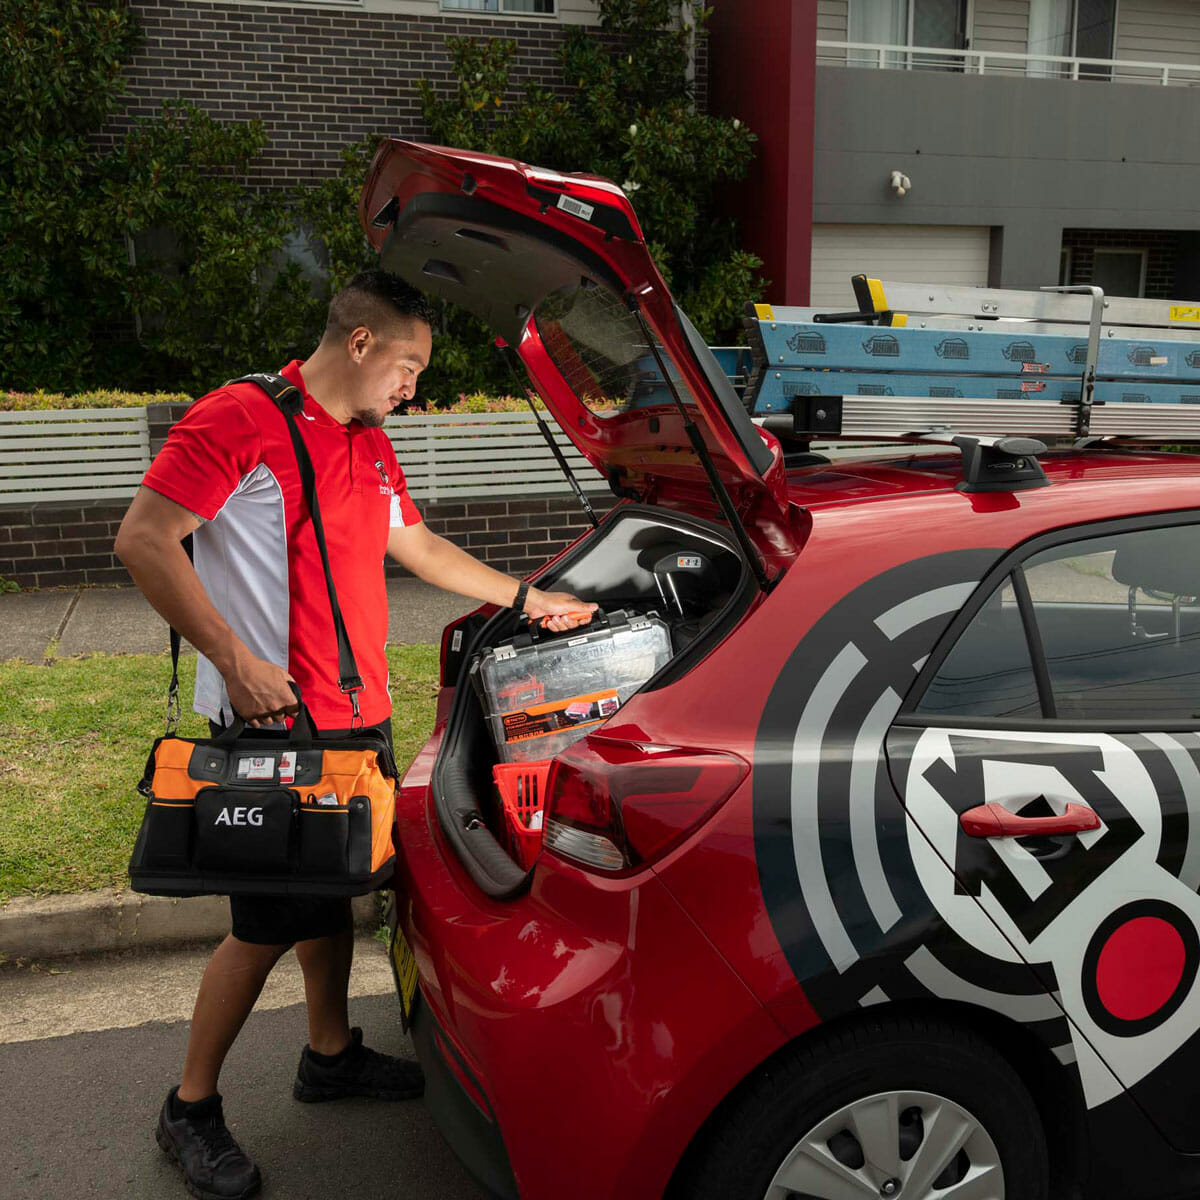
x=989, y=672
x=1096, y=630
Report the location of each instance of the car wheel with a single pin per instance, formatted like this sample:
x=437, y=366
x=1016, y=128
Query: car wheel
x=918, y=1110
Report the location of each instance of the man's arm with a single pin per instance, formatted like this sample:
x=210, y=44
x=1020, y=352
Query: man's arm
x=148, y=543
x=437, y=561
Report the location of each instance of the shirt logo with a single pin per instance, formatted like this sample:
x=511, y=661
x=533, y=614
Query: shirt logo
x=383, y=475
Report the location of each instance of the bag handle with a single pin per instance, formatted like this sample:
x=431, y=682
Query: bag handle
x=300, y=736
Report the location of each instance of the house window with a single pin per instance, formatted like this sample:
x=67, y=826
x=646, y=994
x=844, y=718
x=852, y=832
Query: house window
x=529, y=8
x=1072, y=29
x=926, y=23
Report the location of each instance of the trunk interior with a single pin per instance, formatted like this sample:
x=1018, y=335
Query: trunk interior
x=642, y=562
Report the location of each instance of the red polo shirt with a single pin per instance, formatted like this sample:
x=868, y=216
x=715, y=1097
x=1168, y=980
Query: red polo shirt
x=230, y=461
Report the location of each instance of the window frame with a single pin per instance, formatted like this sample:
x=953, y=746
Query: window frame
x=1011, y=564
x=501, y=11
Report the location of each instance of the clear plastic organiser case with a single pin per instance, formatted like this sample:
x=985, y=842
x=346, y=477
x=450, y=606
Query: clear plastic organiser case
x=540, y=693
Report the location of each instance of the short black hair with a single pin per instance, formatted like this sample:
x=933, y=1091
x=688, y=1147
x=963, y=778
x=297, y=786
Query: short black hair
x=377, y=300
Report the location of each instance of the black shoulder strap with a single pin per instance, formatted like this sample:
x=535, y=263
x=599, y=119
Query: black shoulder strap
x=290, y=401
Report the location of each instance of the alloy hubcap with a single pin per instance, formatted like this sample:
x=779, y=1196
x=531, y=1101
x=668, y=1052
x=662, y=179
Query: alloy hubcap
x=901, y=1145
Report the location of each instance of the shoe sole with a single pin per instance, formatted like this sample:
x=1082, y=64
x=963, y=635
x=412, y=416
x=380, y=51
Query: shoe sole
x=311, y=1093
x=168, y=1148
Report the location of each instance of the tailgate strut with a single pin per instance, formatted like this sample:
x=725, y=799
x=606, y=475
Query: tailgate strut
x=749, y=550
x=509, y=355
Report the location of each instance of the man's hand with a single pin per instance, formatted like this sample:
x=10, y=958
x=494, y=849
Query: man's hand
x=558, y=611
x=259, y=691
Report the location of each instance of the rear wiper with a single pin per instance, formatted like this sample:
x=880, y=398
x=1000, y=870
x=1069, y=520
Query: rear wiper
x=749, y=550
x=510, y=357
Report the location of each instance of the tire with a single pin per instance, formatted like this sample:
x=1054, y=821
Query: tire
x=794, y=1130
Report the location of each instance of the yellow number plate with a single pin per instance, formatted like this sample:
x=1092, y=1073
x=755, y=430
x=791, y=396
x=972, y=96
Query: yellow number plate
x=404, y=967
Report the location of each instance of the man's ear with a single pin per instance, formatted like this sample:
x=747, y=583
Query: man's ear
x=358, y=341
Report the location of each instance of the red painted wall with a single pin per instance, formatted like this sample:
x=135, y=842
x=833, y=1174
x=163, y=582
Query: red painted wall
x=762, y=70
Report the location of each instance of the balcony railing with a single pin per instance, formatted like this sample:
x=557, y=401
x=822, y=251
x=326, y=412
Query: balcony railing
x=996, y=62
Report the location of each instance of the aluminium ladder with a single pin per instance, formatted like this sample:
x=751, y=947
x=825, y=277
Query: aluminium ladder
x=927, y=359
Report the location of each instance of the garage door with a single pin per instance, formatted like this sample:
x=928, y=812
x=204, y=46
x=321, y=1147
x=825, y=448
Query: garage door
x=909, y=253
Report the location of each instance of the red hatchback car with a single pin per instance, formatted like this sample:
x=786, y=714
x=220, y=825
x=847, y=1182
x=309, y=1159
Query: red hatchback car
x=884, y=882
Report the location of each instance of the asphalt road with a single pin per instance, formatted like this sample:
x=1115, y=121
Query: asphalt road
x=79, y=1108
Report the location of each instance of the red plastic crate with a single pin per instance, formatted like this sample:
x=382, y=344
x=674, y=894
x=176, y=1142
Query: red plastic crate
x=522, y=788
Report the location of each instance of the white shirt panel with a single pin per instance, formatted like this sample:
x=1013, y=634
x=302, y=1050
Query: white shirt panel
x=245, y=542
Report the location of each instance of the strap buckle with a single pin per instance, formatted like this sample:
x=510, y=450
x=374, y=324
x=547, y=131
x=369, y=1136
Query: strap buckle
x=351, y=686
x=173, y=712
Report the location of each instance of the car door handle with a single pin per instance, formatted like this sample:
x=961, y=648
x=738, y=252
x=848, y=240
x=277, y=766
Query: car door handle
x=994, y=820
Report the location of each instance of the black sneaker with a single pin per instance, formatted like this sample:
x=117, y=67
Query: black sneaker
x=357, y=1072
x=213, y=1165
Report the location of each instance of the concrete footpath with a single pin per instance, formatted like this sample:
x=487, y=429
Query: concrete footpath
x=37, y=626
x=119, y=621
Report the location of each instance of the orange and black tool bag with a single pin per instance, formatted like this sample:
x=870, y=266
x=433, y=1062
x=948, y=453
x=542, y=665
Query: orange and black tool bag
x=295, y=815
x=282, y=816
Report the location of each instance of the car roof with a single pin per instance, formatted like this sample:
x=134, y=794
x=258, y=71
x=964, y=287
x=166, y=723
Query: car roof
x=1134, y=481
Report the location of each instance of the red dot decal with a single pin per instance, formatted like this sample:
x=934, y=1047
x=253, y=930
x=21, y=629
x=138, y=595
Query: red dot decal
x=1140, y=968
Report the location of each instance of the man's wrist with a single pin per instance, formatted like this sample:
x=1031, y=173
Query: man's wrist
x=521, y=596
x=227, y=657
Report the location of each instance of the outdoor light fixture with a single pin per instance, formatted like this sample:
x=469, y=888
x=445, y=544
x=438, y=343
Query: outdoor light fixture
x=900, y=183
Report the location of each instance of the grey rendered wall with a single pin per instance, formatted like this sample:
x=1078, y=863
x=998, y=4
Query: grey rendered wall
x=1028, y=157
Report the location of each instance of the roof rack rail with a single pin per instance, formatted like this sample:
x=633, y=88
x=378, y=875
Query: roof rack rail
x=919, y=418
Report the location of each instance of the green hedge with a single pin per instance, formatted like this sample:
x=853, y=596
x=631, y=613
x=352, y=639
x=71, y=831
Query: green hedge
x=41, y=401
x=38, y=401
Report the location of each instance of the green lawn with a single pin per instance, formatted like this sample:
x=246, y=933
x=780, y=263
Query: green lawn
x=74, y=736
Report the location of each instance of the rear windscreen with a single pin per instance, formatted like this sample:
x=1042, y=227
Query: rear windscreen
x=601, y=350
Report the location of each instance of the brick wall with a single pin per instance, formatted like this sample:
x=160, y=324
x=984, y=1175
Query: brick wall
x=54, y=545
x=1161, y=245
x=48, y=545
x=319, y=79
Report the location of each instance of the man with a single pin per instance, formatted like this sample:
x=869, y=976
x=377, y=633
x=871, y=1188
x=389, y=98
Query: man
x=257, y=610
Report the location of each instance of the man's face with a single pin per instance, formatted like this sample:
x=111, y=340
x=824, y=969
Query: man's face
x=386, y=372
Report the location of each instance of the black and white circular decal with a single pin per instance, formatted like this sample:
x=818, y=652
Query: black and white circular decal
x=870, y=906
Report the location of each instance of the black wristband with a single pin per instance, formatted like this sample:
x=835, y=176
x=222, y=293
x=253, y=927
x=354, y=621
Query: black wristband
x=518, y=604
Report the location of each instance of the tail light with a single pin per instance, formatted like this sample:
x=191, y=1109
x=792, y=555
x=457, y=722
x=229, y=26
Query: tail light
x=614, y=805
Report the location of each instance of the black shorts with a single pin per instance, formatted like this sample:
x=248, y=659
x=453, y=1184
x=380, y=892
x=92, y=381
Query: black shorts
x=285, y=920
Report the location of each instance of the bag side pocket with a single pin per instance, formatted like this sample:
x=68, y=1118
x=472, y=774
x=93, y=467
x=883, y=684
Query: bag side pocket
x=246, y=830
x=169, y=826
x=324, y=837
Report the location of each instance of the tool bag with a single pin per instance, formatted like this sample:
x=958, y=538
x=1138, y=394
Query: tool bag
x=294, y=815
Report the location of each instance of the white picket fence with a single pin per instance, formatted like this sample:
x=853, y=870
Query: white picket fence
x=102, y=453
